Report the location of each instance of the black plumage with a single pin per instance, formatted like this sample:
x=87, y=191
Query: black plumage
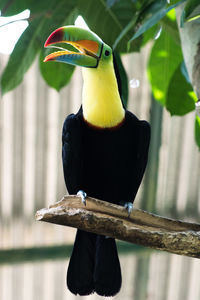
x=107, y=164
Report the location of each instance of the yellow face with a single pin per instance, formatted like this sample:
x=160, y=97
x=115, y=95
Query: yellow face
x=102, y=106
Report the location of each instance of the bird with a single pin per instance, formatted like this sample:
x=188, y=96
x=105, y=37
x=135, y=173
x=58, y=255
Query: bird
x=104, y=153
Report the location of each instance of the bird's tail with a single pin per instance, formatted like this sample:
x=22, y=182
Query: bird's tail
x=81, y=266
x=94, y=266
x=107, y=273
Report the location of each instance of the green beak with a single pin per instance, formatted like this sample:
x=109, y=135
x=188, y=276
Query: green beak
x=88, y=44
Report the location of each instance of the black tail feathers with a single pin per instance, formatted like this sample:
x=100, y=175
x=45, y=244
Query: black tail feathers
x=81, y=265
x=94, y=266
x=107, y=273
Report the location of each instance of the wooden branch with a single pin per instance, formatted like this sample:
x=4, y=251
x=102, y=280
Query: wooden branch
x=112, y=220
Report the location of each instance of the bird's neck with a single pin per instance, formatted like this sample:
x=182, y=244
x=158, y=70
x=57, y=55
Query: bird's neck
x=102, y=106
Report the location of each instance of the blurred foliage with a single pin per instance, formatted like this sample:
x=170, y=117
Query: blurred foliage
x=35, y=254
x=197, y=130
x=191, y=11
x=125, y=25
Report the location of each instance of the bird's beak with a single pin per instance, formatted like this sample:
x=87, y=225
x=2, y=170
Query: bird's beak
x=87, y=46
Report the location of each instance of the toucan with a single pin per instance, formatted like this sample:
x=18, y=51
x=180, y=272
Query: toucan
x=104, y=152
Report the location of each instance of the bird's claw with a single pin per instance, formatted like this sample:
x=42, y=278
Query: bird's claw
x=83, y=195
x=129, y=207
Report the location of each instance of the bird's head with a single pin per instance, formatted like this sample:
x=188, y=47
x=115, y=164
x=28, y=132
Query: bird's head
x=101, y=101
x=89, y=50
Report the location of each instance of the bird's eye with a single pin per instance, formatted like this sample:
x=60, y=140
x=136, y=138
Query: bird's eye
x=107, y=53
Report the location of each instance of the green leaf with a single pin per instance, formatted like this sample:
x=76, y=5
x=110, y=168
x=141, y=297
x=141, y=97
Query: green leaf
x=125, y=31
x=171, y=27
x=137, y=19
x=62, y=13
x=164, y=59
x=109, y=22
x=197, y=131
x=156, y=16
x=180, y=95
x=32, y=41
x=45, y=6
x=23, y=55
x=56, y=75
x=150, y=9
x=111, y=2
x=191, y=11
x=9, y=8
x=122, y=78
x=184, y=71
x=150, y=34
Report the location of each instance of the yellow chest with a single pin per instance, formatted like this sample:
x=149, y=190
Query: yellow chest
x=101, y=102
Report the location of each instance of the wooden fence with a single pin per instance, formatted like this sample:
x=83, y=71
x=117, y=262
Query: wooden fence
x=31, y=177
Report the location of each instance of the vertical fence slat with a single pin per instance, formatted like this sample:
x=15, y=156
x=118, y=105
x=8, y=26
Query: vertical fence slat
x=18, y=151
x=183, y=182
x=7, y=156
x=52, y=147
x=27, y=288
x=6, y=284
x=193, y=281
x=30, y=94
x=31, y=177
x=41, y=143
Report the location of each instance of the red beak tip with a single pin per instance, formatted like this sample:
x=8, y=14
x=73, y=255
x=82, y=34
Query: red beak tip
x=46, y=43
x=55, y=37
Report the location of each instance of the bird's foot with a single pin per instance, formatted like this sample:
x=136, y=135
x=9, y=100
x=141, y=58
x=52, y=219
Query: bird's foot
x=129, y=207
x=83, y=195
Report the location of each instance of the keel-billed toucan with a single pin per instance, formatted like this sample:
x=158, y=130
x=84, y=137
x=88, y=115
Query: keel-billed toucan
x=105, y=149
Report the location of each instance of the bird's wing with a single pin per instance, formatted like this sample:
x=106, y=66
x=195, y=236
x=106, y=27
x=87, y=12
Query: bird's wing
x=142, y=152
x=72, y=153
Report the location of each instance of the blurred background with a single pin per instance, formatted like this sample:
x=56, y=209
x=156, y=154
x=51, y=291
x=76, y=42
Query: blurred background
x=33, y=255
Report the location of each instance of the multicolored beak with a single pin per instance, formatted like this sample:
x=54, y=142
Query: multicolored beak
x=88, y=44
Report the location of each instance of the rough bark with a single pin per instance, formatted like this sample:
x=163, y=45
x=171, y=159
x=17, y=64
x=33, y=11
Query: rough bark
x=190, y=42
x=112, y=220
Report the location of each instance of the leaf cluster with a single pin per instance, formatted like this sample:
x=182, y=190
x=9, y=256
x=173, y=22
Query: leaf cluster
x=126, y=26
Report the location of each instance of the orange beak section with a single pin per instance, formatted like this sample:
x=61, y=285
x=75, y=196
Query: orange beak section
x=88, y=44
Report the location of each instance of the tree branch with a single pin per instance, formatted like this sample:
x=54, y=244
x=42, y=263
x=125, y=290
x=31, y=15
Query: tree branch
x=112, y=220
